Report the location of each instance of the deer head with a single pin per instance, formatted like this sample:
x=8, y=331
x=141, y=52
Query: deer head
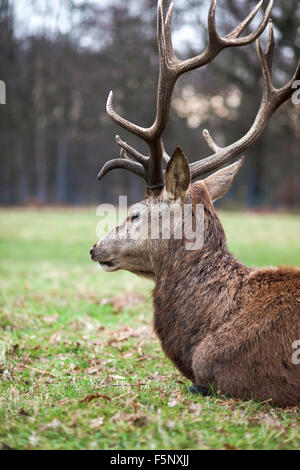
x=173, y=188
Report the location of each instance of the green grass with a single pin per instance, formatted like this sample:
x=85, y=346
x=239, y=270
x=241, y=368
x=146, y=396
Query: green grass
x=82, y=368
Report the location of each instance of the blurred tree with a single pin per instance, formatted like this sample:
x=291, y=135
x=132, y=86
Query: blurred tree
x=54, y=130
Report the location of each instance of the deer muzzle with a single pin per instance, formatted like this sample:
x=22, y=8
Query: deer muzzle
x=100, y=255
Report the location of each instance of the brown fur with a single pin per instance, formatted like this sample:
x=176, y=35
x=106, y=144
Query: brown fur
x=225, y=325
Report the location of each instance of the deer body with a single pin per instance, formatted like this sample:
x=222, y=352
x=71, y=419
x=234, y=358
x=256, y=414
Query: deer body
x=228, y=327
x=223, y=325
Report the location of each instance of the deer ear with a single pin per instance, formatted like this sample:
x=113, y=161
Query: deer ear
x=178, y=176
x=219, y=183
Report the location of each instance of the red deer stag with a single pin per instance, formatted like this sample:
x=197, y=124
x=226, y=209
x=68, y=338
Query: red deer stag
x=226, y=327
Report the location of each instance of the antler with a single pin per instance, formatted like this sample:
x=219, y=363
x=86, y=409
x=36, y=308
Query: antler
x=170, y=69
x=272, y=98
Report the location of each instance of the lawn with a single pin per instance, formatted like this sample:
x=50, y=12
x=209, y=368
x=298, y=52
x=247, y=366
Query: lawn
x=80, y=367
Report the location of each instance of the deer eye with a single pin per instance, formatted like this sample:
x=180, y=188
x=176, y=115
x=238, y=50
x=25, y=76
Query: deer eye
x=134, y=216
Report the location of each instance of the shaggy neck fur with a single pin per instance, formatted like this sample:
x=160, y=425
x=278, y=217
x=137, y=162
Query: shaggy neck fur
x=195, y=291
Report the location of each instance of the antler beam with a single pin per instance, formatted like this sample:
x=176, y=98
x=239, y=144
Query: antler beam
x=170, y=69
x=272, y=98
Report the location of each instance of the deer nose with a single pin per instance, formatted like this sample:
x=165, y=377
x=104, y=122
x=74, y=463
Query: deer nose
x=92, y=250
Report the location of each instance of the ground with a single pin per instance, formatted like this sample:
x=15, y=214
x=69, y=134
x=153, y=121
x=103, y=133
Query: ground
x=80, y=367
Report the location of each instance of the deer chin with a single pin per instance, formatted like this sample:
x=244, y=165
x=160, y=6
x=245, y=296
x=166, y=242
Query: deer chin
x=144, y=274
x=108, y=266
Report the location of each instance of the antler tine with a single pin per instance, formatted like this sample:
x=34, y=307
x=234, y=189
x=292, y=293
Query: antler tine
x=270, y=47
x=166, y=156
x=134, y=153
x=243, y=25
x=129, y=126
x=277, y=95
x=169, y=16
x=210, y=141
x=123, y=154
x=232, y=39
x=125, y=164
x=216, y=43
x=266, y=61
x=272, y=98
x=168, y=72
x=211, y=23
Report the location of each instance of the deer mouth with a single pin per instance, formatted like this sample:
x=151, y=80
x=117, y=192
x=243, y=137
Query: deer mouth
x=108, y=266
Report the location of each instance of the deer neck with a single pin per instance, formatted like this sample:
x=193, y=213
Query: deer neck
x=194, y=293
x=192, y=270
x=174, y=262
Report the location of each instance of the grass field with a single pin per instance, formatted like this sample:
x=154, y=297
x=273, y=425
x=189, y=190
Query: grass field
x=80, y=367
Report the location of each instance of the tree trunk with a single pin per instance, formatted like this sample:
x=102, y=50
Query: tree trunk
x=61, y=169
x=40, y=135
